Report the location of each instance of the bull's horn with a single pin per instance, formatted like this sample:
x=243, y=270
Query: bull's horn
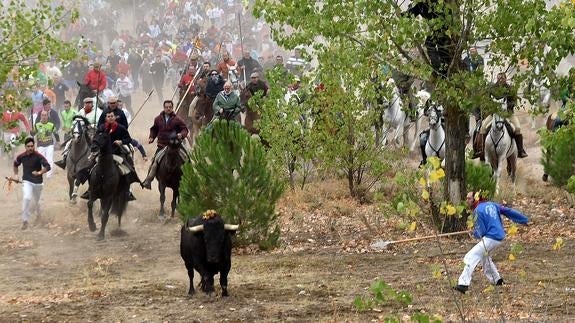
x=231, y=227
x=196, y=228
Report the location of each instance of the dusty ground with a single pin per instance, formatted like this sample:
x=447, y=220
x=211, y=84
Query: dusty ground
x=57, y=272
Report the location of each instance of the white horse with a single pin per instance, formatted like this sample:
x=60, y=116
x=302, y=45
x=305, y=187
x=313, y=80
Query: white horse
x=435, y=145
x=499, y=146
x=394, y=117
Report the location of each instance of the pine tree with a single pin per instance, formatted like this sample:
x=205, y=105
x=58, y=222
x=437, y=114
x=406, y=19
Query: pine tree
x=229, y=173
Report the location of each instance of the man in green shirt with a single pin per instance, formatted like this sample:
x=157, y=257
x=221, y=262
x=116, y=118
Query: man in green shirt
x=67, y=116
x=227, y=103
x=44, y=132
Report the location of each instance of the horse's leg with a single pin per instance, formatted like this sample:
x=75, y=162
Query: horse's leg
x=512, y=167
x=162, y=188
x=71, y=190
x=106, y=203
x=91, y=223
x=175, y=197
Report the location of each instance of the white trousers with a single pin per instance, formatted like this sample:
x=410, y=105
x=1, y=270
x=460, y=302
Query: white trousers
x=481, y=252
x=48, y=153
x=31, y=199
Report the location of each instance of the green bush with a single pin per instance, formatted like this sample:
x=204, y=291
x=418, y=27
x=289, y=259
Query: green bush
x=478, y=178
x=558, y=156
x=229, y=173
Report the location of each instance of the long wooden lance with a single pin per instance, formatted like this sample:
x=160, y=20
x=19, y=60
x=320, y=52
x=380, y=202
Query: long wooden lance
x=141, y=106
x=187, y=66
x=242, y=46
x=188, y=89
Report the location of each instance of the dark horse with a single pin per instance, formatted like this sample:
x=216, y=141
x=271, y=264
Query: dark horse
x=106, y=183
x=169, y=174
x=77, y=158
x=85, y=92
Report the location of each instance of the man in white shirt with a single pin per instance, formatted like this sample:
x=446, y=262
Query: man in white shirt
x=124, y=87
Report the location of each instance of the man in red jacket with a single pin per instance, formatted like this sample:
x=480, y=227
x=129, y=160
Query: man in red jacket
x=96, y=79
x=166, y=125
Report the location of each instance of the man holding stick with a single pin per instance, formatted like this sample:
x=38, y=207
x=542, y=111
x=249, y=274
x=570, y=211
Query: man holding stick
x=34, y=166
x=488, y=227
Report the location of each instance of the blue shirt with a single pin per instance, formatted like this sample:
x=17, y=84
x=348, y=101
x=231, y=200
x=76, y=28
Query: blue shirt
x=488, y=222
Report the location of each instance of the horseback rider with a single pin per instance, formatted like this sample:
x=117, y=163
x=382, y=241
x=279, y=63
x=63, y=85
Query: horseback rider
x=88, y=113
x=120, y=138
x=227, y=104
x=502, y=90
x=96, y=79
x=113, y=106
x=165, y=125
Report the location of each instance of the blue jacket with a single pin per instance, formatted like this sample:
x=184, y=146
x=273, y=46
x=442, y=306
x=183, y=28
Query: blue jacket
x=488, y=222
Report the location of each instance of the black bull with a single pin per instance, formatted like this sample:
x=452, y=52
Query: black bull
x=206, y=246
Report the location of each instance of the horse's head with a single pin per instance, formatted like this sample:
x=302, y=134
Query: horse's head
x=101, y=143
x=434, y=117
x=498, y=123
x=174, y=141
x=80, y=126
x=502, y=102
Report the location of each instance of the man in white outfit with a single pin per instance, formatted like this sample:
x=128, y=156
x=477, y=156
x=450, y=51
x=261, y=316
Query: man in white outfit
x=34, y=166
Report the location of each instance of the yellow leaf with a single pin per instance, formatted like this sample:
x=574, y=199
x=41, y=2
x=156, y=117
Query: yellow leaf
x=511, y=257
x=437, y=274
x=434, y=161
x=541, y=284
x=422, y=182
x=436, y=175
x=448, y=209
x=470, y=222
x=513, y=230
x=412, y=226
x=558, y=244
x=425, y=195
x=522, y=274
x=489, y=289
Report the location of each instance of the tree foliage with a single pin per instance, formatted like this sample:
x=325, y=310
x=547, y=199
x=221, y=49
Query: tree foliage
x=229, y=173
x=30, y=36
x=344, y=35
x=558, y=156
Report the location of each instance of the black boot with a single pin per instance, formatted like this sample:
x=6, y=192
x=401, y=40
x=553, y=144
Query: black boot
x=61, y=163
x=422, y=143
x=520, y=150
x=461, y=288
x=478, y=150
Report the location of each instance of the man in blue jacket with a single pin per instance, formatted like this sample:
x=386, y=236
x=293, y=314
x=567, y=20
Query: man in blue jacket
x=488, y=227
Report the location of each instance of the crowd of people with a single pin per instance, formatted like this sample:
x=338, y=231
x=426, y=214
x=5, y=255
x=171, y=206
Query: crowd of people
x=167, y=48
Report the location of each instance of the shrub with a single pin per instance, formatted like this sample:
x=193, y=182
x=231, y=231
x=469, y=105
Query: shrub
x=229, y=173
x=558, y=156
x=478, y=178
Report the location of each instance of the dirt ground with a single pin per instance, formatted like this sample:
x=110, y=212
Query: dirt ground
x=57, y=272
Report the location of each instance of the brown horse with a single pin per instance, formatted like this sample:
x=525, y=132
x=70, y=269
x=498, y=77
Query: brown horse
x=250, y=115
x=200, y=111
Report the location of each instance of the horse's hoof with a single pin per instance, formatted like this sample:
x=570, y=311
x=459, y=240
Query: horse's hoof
x=545, y=177
x=100, y=237
x=73, y=201
x=92, y=226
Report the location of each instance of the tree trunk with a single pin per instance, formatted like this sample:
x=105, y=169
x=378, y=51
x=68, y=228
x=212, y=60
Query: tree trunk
x=456, y=132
